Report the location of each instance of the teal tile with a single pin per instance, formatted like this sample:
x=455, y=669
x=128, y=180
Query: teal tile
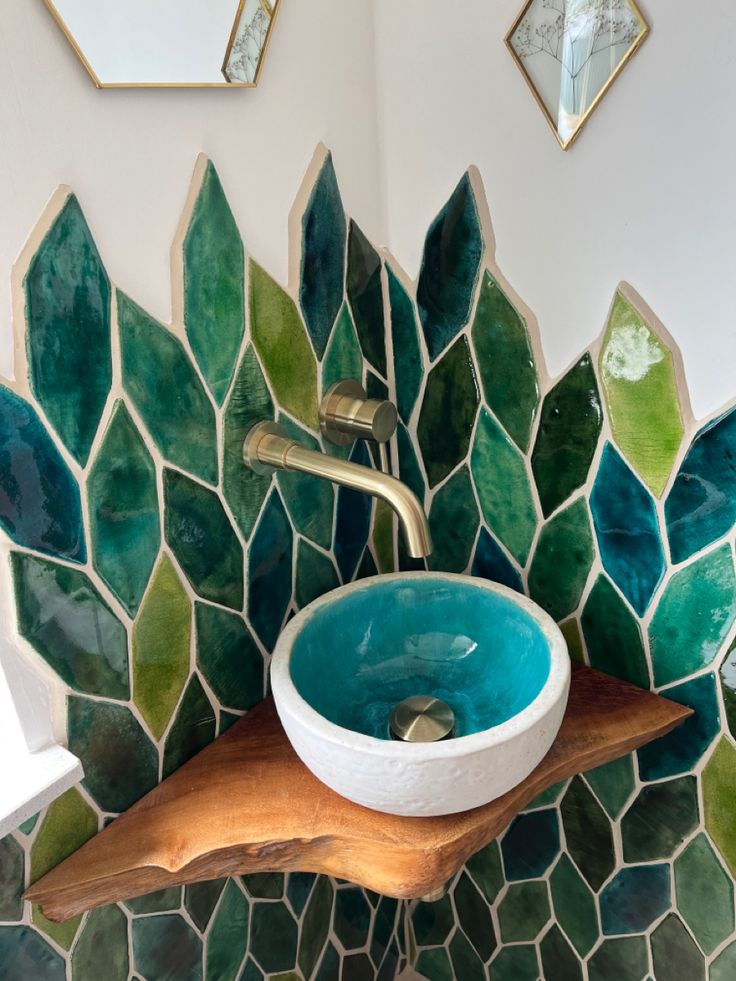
x=193, y=727
x=228, y=657
x=249, y=404
x=343, y=358
x=675, y=954
x=613, y=784
x=408, y=367
x=574, y=906
x=166, y=948
x=27, y=827
x=516, y=963
x=466, y=963
x=351, y=918
x=613, y=636
x=474, y=916
x=453, y=523
x=64, y=618
x=270, y=571
x=24, y=954
x=123, y=510
x=504, y=491
x=200, y=899
x=694, y=616
x=227, y=937
x=365, y=292
x=166, y=390
x=588, y=834
x=634, y=899
x=352, y=520
x=273, y=937
x=486, y=871
x=323, y=257
x=569, y=428
x=562, y=561
x=201, y=537
x=410, y=471
x=102, y=948
x=120, y=761
x=214, y=285
x=506, y=363
x=12, y=881
x=40, y=506
x=448, y=412
x=67, y=296
x=453, y=251
x=309, y=500
x=624, y=959
x=530, y=845
x=680, y=750
x=315, y=574
x=491, y=562
x=659, y=820
x=524, y=911
x=704, y=894
x=559, y=961
x=315, y=925
x=161, y=901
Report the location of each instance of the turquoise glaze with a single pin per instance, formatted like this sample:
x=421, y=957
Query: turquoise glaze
x=479, y=651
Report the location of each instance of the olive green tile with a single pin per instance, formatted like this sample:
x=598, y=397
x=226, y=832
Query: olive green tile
x=562, y=561
x=465, y=961
x=588, y=834
x=265, y=885
x=250, y=403
x=523, y=911
x=505, y=362
x=229, y=657
x=166, y=948
x=12, y=879
x=200, y=899
x=343, y=358
x=723, y=967
x=624, y=959
x=516, y=963
x=123, y=510
x=474, y=916
x=67, y=307
x=315, y=925
x=315, y=574
x=161, y=901
x=201, y=537
x=503, y=487
x=559, y=961
x=25, y=955
x=569, y=428
x=120, y=761
x=612, y=635
x=638, y=377
x=64, y=618
x=704, y=894
x=448, y=412
x=193, y=727
x=659, y=820
x=613, y=784
x=383, y=537
x=675, y=955
x=727, y=675
x=719, y=795
x=407, y=351
x=486, y=870
x=166, y=390
x=574, y=906
x=574, y=640
x=434, y=965
x=694, y=616
x=453, y=522
x=282, y=345
x=227, y=937
x=273, y=937
x=161, y=641
x=365, y=292
x=270, y=566
x=68, y=823
x=102, y=948
x=309, y=500
x=214, y=285
x=351, y=919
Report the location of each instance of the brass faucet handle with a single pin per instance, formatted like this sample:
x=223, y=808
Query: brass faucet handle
x=347, y=414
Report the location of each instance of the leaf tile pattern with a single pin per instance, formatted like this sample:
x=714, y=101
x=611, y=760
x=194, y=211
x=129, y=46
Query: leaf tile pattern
x=648, y=592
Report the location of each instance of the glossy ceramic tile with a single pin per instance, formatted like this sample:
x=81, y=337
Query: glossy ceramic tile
x=228, y=657
x=727, y=676
x=227, y=939
x=315, y=574
x=453, y=523
x=634, y=899
x=12, y=879
x=719, y=795
x=343, y=358
x=574, y=905
x=530, y=845
x=588, y=834
x=193, y=727
x=102, y=947
x=200, y=899
x=352, y=521
x=659, y=820
x=613, y=636
x=273, y=937
x=25, y=954
x=270, y=571
x=407, y=352
x=166, y=948
x=562, y=561
x=559, y=962
x=704, y=894
x=491, y=562
x=365, y=292
x=675, y=953
x=523, y=911
x=309, y=501
x=613, y=784
x=516, y=963
x=625, y=959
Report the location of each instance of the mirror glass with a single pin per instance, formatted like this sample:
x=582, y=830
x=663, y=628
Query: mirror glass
x=168, y=42
x=570, y=52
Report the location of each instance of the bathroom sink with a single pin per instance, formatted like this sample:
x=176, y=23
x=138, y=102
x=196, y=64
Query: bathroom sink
x=345, y=662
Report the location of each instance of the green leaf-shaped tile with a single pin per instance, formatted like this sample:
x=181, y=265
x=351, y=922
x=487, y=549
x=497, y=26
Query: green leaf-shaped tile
x=448, y=412
x=588, y=834
x=475, y=916
x=638, y=377
x=559, y=960
x=62, y=615
x=193, y=727
x=625, y=957
x=703, y=890
x=719, y=795
x=166, y=948
x=315, y=926
x=250, y=403
x=659, y=820
x=102, y=948
x=408, y=366
x=613, y=636
x=29, y=956
x=503, y=486
x=229, y=657
x=568, y=435
x=12, y=879
x=613, y=784
x=315, y=574
x=283, y=346
x=166, y=391
x=562, y=561
x=309, y=501
x=694, y=616
x=273, y=937
x=453, y=522
x=120, y=761
x=203, y=541
x=214, y=285
x=574, y=905
x=410, y=470
x=200, y=899
x=675, y=954
x=228, y=935
x=383, y=537
x=270, y=571
x=505, y=362
x=124, y=516
x=344, y=359
x=161, y=640
x=523, y=911
x=365, y=292
x=68, y=338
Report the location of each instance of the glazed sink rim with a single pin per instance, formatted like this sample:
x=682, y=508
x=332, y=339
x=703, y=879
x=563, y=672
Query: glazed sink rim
x=554, y=688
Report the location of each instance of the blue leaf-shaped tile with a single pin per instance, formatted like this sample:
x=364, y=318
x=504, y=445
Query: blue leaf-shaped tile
x=625, y=519
x=491, y=562
x=365, y=292
x=39, y=499
x=270, y=571
x=68, y=338
x=353, y=523
x=701, y=507
x=323, y=257
x=635, y=898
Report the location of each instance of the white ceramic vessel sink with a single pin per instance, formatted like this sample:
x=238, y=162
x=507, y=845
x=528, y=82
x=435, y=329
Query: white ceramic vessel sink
x=493, y=656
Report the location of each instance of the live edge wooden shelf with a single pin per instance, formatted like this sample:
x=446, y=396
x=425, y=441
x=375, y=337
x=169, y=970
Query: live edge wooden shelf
x=248, y=804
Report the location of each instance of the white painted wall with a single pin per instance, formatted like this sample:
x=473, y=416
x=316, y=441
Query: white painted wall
x=647, y=194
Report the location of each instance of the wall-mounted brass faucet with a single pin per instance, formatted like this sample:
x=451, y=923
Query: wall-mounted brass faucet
x=345, y=414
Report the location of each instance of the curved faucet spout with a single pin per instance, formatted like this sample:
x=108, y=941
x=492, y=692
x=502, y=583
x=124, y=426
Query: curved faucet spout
x=267, y=448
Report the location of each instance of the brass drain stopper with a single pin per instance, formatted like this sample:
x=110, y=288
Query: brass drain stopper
x=422, y=719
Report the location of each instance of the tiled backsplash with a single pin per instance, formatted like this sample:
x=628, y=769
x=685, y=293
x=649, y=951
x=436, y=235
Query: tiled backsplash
x=153, y=572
